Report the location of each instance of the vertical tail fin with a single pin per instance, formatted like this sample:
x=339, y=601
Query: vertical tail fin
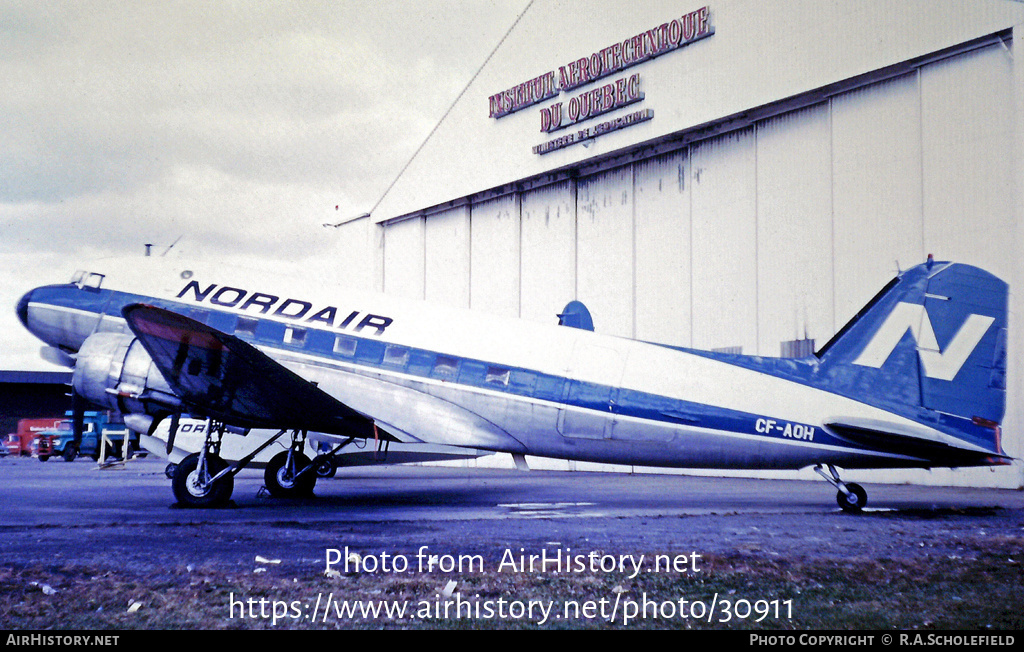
x=933, y=338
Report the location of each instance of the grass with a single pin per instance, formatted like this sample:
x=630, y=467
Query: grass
x=981, y=589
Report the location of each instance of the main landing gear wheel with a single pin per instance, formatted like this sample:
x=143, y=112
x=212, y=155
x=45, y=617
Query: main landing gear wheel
x=325, y=466
x=194, y=486
x=855, y=501
x=288, y=475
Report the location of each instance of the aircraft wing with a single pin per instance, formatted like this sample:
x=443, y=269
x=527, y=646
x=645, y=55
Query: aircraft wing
x=220, y=376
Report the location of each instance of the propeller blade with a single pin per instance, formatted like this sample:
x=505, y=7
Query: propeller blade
x=175, y=418
x=77, y=416
x=56, y=356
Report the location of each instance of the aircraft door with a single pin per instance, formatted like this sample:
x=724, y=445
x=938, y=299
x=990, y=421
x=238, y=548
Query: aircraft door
x=593, y=378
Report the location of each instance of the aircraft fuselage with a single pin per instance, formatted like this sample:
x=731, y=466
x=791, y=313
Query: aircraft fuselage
x=457, y=377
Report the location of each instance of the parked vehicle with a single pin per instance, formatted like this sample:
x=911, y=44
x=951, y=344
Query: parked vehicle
x=20, y=443
x=96, y=426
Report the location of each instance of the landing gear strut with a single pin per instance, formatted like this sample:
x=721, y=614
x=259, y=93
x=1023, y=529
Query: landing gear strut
x=326, y=464
x=851, y=496
x=204, y=479
x=201, y=479
x=290, y=474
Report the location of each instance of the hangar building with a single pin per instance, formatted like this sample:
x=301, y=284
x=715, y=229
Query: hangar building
x=32, y=395
x=742, y=175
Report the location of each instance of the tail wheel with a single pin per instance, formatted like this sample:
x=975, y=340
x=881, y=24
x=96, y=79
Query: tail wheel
x=193, y=487
x=856, y=501
x=289, y=480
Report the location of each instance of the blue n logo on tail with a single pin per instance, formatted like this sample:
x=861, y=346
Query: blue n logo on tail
x=933, y=338
x=943, y=365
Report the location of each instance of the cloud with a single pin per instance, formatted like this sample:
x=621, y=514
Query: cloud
x=114, y=97
x=236, y=126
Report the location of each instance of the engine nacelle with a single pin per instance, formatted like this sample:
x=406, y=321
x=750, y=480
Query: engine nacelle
x=113, y=370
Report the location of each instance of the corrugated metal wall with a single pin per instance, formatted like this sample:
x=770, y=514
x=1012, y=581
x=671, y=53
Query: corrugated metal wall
x=794, y=228
x=778, y=231
x=663, y=250
x=494, y=256
x=547, y=265
x=876, y=189
x=604, y=249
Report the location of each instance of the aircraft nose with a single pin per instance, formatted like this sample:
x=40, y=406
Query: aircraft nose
x=23, y=308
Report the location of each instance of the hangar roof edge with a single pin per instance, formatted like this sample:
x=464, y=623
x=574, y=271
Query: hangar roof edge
x=35, y=377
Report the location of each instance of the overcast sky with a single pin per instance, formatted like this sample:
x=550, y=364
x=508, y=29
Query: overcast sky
x=237, y=127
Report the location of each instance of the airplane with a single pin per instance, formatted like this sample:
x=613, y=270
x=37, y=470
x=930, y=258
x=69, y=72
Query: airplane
x=916, y=379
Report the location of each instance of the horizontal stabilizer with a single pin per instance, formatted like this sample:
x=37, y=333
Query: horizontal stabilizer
x=906, y=438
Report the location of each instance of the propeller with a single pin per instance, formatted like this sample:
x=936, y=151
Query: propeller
x=77, y=417
x=175, y=419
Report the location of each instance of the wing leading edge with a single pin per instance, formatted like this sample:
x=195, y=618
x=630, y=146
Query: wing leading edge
x=220, y=376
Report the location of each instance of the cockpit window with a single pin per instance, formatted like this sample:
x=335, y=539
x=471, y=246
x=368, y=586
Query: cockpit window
x=84, y=279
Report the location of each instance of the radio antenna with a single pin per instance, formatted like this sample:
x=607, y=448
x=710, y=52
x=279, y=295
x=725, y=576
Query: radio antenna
x=443, y=117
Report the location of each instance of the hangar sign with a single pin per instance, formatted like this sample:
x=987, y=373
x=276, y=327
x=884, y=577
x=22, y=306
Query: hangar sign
x=607, y=61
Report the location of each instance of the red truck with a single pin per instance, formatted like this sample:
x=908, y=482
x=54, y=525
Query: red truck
x=20, y=443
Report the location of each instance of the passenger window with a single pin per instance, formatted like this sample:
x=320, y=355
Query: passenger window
x=396, y=356
x=294, y=336
x=497, y=376
x=246, y=326
x=344, y=345
x=446, y=367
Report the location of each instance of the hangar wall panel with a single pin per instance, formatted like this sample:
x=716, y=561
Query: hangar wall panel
x=494, y=256
x=548, y=251
x=724, y=263
x=967, y=113
x=404, y=258
x=876, y=185
x=663, y=292
x=794, y=228
x=446, y=258
x=604, y=240
x=760, y=52
x=967, y=147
